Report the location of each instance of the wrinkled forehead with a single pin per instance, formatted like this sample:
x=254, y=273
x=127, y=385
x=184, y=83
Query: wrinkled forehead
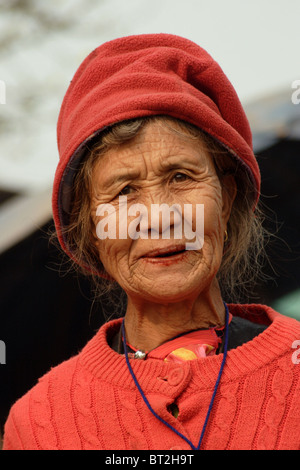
x=157, y=147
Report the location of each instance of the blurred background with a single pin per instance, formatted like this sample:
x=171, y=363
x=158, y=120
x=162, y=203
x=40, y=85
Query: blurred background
x=46, y=312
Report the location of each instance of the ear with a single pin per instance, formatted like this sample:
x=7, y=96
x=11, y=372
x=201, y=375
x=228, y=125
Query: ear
x=229, y=190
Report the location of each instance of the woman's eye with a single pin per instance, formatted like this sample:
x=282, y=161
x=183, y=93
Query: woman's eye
x=179, y=177
x=126, y=190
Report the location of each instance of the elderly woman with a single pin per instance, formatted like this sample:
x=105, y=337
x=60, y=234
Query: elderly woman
x=156, y=191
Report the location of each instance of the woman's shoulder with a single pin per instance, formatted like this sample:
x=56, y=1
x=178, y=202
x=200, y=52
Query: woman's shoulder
x=262, y=314
x=60, y=393
x=33, y=410
x=280, y=335
x=60, y=375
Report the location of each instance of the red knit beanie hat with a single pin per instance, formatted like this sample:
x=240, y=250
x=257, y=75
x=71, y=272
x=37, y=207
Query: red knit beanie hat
x=146, y=75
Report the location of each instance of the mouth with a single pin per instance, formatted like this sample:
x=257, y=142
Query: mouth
x=166, y=254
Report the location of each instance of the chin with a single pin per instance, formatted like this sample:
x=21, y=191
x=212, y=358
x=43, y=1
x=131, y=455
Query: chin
x=172, y=288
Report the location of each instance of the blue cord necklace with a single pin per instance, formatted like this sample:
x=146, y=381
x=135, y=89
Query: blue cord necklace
x=213, y=395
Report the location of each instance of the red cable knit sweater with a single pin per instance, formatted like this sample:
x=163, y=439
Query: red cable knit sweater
x=91, y=401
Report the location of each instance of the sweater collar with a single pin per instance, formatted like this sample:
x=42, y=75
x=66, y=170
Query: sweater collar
x=105, y=364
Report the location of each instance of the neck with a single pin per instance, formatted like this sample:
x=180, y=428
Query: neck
x=149, y=324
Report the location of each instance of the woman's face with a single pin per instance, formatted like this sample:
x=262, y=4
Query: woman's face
x=158, y=167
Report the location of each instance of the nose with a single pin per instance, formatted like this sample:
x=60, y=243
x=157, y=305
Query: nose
x=163, y=219
x=173, y=222
x=155, y=219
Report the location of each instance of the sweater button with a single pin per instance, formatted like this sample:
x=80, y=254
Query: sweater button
x=176, y=376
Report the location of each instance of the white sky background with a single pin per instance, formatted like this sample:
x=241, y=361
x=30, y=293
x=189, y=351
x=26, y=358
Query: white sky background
x=256, y=43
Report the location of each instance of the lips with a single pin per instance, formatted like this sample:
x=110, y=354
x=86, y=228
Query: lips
x=165, y=252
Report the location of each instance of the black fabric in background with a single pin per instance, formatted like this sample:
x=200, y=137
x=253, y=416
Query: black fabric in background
x=280, y=174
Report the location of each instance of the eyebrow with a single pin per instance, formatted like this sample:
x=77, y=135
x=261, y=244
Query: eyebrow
x=178, y=162
x=131, y=174
x=119, y=178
